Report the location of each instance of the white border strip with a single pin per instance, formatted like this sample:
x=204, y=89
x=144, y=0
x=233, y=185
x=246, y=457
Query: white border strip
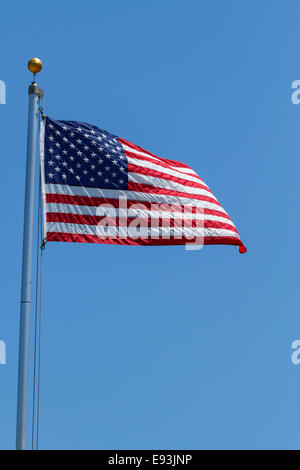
x=42, y=171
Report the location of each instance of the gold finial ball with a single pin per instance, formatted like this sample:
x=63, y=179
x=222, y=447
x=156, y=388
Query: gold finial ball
x=35, y=65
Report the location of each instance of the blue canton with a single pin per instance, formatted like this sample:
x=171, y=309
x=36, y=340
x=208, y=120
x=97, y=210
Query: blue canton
x=79, y=154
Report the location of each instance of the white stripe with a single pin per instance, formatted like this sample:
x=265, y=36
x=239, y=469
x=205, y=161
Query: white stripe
x=131, y=195
x=144, y=232
x=138, y=212
x=184, y=170
x=167, y=184
x=163, y=169
x=143, y=154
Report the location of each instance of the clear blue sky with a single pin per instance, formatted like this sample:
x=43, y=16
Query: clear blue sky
x=161, y=348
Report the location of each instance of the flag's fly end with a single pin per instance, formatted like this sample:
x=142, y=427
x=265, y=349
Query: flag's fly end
x=242, y=249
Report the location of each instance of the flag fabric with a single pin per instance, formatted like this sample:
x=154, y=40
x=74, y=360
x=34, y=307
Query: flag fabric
x=99, y=188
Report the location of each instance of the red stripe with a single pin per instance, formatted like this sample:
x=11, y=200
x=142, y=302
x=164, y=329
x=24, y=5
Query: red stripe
x=76, y=200
x=148, y=188
x=159, y=174
x=221, y=225
x=73, y=237
x=216, y=212
x=165, y=160
x=159, y=221
x=97, y=201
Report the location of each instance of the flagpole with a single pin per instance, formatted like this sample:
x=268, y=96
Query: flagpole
x=34, y=65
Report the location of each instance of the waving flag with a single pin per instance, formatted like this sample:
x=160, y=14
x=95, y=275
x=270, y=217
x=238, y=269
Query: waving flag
x=99, y=188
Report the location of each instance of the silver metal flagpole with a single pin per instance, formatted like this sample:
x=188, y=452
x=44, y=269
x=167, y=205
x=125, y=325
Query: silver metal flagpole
x=35, y=66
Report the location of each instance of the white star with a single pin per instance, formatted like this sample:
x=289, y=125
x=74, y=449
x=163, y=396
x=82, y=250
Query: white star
x=57, y=132
x=78, y=177
x=65, y=152
x=57, y=157
x=103, y=136
x=115, y=162
x=51, y=150
x=50, y=126
x=57, y=144
x=64, y=176
x=51, y=163
x=79, y=129
x=122, y=169
x=94, y=142
x=50, y=175
x=93, y=167
x=72, y=146
x=79, y=153
x=85, y=172
x=106, y=180
x=86, y=135
x=86, y=147
x=114, y=174
x=121, y=181
x=79, y=141
x=71, y=170
x=100, y=161
x=93, y=154
x=107, y=168
x=86, y=159
x=92, y=179
x=93, y=132
x=64, y=164
x=65, y=139
x=51, y=138
x=99, y=138
x=65, y=128
x=99, y=173
x=57, y=169
x=72, y=134
x=78, y=165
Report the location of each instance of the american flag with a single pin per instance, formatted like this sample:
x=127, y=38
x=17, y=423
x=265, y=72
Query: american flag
x=99, y=188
